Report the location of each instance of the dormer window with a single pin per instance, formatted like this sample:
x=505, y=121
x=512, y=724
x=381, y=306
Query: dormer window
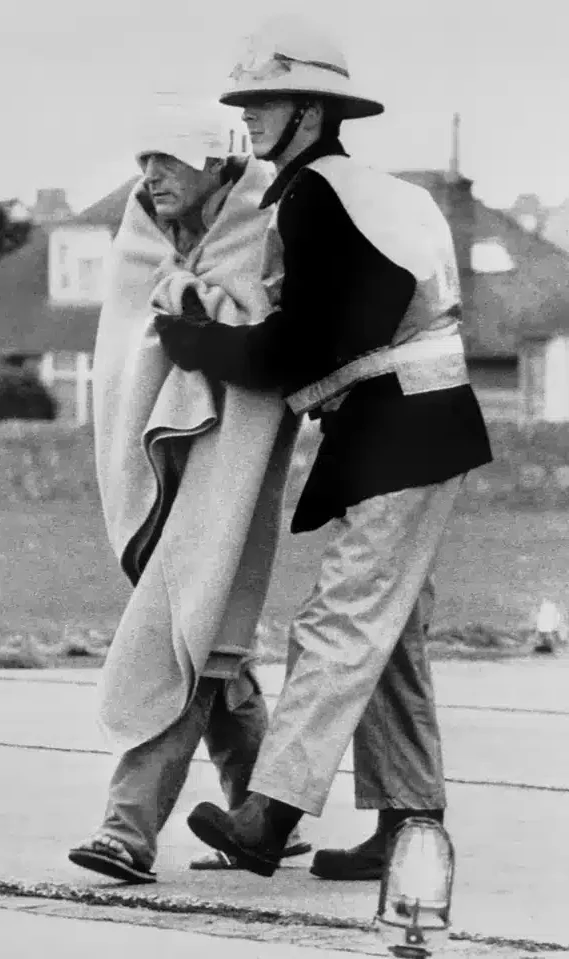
x=490, y=256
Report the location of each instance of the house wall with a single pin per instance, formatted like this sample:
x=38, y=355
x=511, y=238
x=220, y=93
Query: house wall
x=544, y=379
x=496, y=384
x=556, y=380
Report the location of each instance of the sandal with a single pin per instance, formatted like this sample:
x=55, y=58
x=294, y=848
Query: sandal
x=114, y=860
x=216, y=859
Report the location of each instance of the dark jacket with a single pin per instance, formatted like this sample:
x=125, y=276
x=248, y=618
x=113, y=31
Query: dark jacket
x=379, y=440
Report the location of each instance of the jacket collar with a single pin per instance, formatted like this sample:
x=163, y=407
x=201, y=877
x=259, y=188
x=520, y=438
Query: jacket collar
x=322, y=148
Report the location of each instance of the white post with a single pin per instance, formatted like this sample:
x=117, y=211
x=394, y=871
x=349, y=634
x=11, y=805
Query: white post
x=83, y=375
x=556, y=385
x=532, y=380
x=47, y=369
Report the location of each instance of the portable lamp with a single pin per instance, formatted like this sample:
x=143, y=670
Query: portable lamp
x=414, y=902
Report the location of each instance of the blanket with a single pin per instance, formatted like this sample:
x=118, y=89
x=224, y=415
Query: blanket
x=201, y=588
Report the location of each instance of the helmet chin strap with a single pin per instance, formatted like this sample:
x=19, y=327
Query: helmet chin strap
x=288, y=133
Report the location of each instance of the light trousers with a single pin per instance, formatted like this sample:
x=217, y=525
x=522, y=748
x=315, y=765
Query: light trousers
x=149, y=778
x=341, y=643
x=397, y=750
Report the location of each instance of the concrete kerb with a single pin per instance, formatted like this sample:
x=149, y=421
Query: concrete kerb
x=212, y=934
x=191, y=906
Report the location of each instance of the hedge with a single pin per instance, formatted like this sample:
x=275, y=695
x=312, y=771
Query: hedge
x=530, y=468
x=49, y=461
x=46, y=461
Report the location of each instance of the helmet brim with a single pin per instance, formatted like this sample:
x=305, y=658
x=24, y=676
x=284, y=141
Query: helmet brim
x=346, y=106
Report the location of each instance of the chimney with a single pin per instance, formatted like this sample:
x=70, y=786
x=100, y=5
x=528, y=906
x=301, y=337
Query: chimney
x=453, y=174
x=51, y=205
x=457, y=204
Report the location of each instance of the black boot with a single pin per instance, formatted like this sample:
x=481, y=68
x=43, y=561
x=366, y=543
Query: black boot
x=254, y=835
x=367, y=860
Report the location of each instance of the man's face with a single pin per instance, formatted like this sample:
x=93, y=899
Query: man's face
x=266, y=120
x=176, y=187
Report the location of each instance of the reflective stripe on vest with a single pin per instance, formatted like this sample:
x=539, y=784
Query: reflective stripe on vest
x=433, y=360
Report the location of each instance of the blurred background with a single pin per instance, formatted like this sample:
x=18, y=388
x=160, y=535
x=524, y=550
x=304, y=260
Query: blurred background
x=476, y=112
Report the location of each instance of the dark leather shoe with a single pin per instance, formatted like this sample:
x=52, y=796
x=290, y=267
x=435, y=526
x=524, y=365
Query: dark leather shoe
x=366, y=861
x=246, y=834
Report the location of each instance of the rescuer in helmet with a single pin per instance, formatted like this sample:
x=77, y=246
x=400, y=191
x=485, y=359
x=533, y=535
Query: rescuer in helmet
x=364, y=335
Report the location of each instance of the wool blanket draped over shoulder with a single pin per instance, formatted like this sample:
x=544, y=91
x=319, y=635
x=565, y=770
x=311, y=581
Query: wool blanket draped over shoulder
x=204, y=585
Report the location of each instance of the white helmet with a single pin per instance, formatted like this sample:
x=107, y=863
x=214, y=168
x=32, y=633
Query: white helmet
x=190, y=133
x=289, y=56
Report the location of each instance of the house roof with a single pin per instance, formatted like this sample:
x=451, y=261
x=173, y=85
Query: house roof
x=109, y=210
x=499, y=308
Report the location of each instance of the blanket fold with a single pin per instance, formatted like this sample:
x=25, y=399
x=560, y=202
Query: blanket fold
x=200, y=586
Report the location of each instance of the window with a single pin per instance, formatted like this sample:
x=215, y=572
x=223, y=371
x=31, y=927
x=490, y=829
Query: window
x=490, y=256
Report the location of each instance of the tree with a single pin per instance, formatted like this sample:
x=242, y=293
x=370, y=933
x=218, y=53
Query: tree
x=22, y=394
x=15, y=225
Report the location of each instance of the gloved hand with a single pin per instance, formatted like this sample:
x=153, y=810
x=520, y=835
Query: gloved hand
x=181, y=338
x=193, y=309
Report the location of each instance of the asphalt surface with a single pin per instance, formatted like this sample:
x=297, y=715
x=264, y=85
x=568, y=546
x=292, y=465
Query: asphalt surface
x=505, y=728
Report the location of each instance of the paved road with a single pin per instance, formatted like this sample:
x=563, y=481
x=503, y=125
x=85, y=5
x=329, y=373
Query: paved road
x=504, y=723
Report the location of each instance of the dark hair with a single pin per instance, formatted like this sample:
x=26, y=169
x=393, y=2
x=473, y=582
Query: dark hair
x=330, y=128
x=331, y=119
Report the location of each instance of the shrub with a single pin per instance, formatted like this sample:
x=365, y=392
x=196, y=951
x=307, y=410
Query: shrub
x=23, y=396
x=530, y=468
x=55, y=461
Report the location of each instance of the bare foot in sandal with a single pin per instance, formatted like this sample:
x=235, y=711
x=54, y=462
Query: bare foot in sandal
x=110, y=857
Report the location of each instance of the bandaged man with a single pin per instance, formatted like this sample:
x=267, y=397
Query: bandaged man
x=191, y=474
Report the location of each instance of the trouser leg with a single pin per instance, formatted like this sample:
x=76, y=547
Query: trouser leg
x=371, y=575
x=148, y=779
x=233, y=737
x=397, y=745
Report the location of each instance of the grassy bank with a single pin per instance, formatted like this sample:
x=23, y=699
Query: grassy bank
x=62, y=591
